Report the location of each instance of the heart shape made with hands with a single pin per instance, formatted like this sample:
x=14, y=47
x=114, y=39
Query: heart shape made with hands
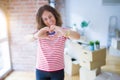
x=51, y=33
x=52, y=28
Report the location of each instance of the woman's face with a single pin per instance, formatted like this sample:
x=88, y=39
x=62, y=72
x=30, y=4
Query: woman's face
x=48, y=18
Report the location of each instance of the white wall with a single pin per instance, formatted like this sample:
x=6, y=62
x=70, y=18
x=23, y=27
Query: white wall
x=95, y=12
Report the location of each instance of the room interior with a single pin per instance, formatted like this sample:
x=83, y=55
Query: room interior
x=18, y=54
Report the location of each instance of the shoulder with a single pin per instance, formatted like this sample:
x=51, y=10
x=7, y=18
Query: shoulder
x=65, y=28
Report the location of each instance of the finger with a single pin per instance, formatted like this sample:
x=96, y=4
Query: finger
x=46, y=28
x=52, y=27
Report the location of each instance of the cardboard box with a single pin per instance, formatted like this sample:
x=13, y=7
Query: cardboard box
x=114, y=52
x=86, y=74
x=92, y=65
x=97, y=55
x=71, y=67
x=115, y=43
x=93, y=59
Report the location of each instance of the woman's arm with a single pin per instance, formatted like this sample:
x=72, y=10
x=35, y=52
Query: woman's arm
x=68, y=33
x=72, y=34
x=42, y=33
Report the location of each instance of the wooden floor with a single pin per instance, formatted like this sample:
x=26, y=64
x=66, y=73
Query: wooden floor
x=112, y=65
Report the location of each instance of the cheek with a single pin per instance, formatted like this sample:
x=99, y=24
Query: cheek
x=54, y=21
x=45, y=22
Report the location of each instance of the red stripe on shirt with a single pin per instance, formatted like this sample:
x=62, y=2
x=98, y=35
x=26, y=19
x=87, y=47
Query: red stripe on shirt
x=50, y=55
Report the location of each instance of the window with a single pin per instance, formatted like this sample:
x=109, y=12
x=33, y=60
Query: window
x=5, y=64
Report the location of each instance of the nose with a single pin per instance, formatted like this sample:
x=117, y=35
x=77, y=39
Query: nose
x=50, y=21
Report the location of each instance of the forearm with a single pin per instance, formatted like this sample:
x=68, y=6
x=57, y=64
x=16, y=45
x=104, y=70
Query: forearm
x=36, y=35
x=69, y=33
x=73, y=35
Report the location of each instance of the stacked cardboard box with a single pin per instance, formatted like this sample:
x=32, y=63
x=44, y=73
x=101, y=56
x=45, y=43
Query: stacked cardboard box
x=115, y=47
x=91, y=62
x=86, y=74
x=116, y=43
x=71, y=67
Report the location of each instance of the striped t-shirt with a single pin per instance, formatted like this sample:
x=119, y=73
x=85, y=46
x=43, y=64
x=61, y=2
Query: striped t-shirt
x=50, y=56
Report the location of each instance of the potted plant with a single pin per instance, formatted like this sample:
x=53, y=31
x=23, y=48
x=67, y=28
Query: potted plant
x=97, y=44
x=84, y=24
x=91, y=45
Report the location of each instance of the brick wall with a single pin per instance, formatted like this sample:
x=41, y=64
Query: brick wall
x=21, y=23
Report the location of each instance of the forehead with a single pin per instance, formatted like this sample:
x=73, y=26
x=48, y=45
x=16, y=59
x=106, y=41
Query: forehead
x=46, y=14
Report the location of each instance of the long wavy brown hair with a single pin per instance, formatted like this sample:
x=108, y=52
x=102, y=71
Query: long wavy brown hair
x=40, y=23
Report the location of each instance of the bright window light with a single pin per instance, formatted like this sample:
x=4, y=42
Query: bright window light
x=3, y=25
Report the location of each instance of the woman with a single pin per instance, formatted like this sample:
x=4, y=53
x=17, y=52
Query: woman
x=51, y=40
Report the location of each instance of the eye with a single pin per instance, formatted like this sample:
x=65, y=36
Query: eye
x=44, y=19
x=50, y=16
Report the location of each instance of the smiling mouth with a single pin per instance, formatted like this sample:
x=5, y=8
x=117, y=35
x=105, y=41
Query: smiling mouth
x=51, y=24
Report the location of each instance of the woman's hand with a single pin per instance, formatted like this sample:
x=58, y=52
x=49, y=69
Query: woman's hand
x=42, y=33
x=58, y=30
x=66, y=32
